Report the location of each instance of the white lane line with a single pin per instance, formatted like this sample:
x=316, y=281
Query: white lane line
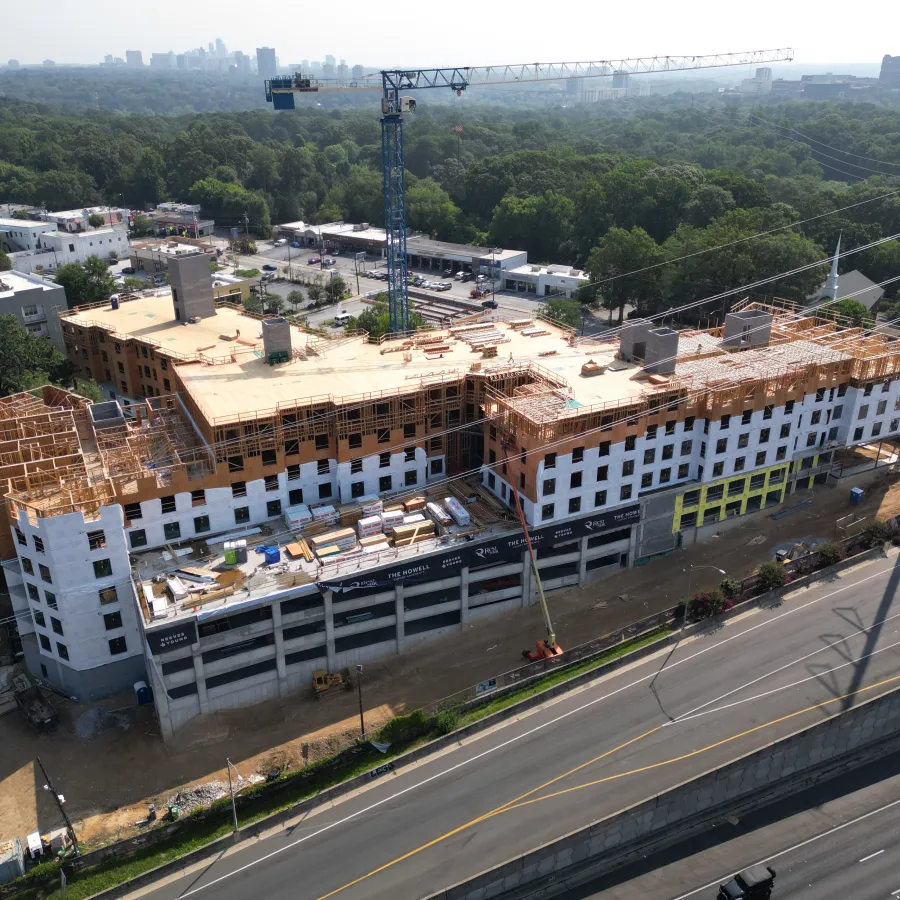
x=706, y=712
x=812, y=840
x=801, y=659
x=545, y=724
x=872, y=855
x=894, y=893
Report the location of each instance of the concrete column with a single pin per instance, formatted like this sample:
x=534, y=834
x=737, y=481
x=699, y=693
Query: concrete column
x=582, y=562
x=279, y=649
x=632, y=545
x=329, y=630
x=464, y=597
x=399, y=613
x=528, y=585
x=201, y=683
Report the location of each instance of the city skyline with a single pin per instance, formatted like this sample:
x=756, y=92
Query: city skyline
x=663, y=30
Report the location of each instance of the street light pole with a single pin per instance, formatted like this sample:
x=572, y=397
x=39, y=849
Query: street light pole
x=228, y=766
x=362, y=721
x=49, y=787
x=687, y=604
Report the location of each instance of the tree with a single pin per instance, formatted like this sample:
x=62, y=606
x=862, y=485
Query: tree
x=567, y=312
x=142, y=225
x=430, y=209
x=376, y=319
x=618, y=253
x=27, y=360
x=4, y=262
x=95, y=220
x=87, y=283
x=335, y=288
x=541, y=225
x=253, y=304
x=853, y=310
x=130, y=283
x=87, y=388
x=295, y=299
x=274, y=304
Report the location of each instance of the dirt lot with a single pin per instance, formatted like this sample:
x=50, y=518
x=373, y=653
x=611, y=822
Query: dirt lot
x=107, y=781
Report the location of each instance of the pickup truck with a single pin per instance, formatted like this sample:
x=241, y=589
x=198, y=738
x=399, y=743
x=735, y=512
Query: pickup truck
x=34, y=705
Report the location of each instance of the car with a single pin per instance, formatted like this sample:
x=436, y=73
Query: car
x=268, y=267
x=448, y=271
x=480, y=279
x=445, y=286
x=467, y=276
x=489, y=304
x=459, y=275
x=337, y=252
x=754, y=883
x=341, y=318
x=128, y=270
x=328, y=261
x=314, y=260
x=295, y=245
x=268, y=276
x=370, y=273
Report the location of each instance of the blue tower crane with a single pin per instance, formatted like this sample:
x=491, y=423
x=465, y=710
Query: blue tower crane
x=394, y=105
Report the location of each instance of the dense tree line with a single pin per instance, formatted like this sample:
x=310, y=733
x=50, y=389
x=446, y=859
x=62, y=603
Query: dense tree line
x=580, y=186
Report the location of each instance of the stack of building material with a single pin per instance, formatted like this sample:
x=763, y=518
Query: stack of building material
x=591, y=368
x=413, y=519
x=390, y=518
x=333, y=542
x=372, y=540
x=413, y=532
x=349, y=515
x=457, y=510
x=414, y=504
x=367, y=526
x=516, y=324
x=439, y=514
x=534, y=332
x=325, y=514
x=297, y=517
x=370, y=505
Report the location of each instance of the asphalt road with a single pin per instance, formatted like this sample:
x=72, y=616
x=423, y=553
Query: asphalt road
x=835, y=841
x=595, y=751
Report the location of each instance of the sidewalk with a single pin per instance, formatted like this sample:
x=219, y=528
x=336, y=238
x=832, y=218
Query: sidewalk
x=108, y=781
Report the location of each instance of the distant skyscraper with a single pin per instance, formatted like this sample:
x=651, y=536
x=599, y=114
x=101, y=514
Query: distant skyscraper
x=305, y=65
x=134, y=58
x=163, y=60
x=266, y=66
x=108, y=59
x=358, y=71
x=342, y=69
x=212, y=49
x=221, y=49
x=890, y=72
x=328, y=70
x=329, y=60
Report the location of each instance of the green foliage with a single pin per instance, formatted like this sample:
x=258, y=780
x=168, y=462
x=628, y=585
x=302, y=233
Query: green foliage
x=295, y=299
x=772, y=575
x=247, y=273
x=253, y=304
x=95, y=220
x=706, y=604
x=853, y=310
x=142, y=226
x=829, y=553
x=131, y=283
x=729, y=588
x=447, y=720
x=274, y=304
x=567, y=312
x=334, y=288
x=5, y=264
x=878, y=531
x=376, y=319
x=87, y=388
x=86, y=283
x=27, y=361
x=404, y=728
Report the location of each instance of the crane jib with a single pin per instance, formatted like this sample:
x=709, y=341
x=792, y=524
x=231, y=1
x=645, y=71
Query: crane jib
x=280, y=93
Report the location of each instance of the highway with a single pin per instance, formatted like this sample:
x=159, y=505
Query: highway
x=595, y=751
x=834, y=841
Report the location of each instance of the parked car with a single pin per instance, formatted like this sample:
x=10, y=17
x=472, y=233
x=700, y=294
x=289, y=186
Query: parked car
x=328, y=261
x=370, y=273
x=268, y=267
x=128, y=270
x=489, y=304
x=341, y=318
x=314, y=260
x=459, y=275
x=268, y=276
x=467, y=276
x=280, y=242
x=445, y=286
x=295, y=244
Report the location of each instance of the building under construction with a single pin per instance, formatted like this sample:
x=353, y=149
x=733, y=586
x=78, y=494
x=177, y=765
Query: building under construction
x=253, y=501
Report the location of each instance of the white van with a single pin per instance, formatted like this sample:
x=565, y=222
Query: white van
x=341, y=318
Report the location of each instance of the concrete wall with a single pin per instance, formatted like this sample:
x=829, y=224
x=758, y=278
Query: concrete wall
x=844, y=741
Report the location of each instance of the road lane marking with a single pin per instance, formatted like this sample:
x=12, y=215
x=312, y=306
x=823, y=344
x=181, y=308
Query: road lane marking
x=706, y=712
x=894, y=893
x=780, y=853
x=514, y=806
x=794, y=662
x=872, y=856
x=549, y=723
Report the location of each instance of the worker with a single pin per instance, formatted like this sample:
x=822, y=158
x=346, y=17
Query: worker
x=238, y=332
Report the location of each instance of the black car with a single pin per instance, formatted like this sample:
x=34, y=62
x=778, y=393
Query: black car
x=489, y=304
x=268, y=267
x=128, y=270
x=754, y=883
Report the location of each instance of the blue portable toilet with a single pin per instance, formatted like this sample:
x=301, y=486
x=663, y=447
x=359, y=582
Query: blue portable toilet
x=856, y=496
x=272, y=555
x=142, y=692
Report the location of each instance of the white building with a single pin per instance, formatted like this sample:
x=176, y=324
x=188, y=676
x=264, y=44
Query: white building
x=60, y=247
x=23, y=234
x=35, y=303
x=74, y=220
x=760, y=83
x=544, y=281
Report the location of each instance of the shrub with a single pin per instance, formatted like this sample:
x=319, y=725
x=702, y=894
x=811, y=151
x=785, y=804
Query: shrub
x=878, y=531
x=447, y=720
x=707, y=604
x=829, y=553
x=404, y=728
x=729, y=588
x=771, y=576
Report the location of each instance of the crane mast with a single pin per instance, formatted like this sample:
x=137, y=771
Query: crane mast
x=391, y=82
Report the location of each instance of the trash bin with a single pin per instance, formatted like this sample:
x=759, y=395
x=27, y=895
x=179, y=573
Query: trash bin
x=142, y=692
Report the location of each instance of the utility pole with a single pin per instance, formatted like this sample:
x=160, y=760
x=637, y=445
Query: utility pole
x=49, y=787
x=228, y=765
x=362, y=721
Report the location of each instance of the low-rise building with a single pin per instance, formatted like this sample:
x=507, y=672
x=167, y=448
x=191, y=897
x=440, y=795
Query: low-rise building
x=181, y=218
x=77, y=220
x=61, y=247
x=544, y=281
x=19, y=235
x=36, y=303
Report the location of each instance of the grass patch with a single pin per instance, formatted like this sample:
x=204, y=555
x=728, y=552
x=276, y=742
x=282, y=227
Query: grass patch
x=405, y=732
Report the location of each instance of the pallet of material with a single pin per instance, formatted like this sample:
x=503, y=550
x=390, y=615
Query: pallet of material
x=343, y=539
x=431, y=339
x=325, y=552
x=468, y=329
x=401, y=532
x=413, y=539
x=349, y=515
x=372, y=540
x=368, y=526
x=414, y=504
x=520, y=323
x=406, y=345
x=489, y=352
x=377, y=548
x=439, y=514
x=534, y=332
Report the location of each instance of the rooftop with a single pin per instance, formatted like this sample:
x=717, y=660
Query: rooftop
x=25, y=223
x=564, y=271
x=10, y=282
x=414, y=244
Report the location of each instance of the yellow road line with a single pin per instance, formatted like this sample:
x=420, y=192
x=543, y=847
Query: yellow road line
x=522, y=801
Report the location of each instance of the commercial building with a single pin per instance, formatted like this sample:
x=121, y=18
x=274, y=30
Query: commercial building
x=60, y=247
x=181, y=218
x=889, y=76
x=34, y=302
x=163, y=60
x=618, y=451
x=17, y=235
x=544, y=281
x=266, y=65
x=134, y=59
x=77, y=220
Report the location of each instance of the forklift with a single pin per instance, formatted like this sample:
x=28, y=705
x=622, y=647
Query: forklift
x=548, y=647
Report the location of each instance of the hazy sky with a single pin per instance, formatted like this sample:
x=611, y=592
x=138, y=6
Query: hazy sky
x=463, y=32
